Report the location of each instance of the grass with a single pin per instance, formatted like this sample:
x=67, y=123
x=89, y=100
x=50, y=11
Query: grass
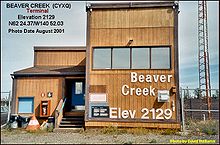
x=153, y=141
x=209, y=127
x=114, y=130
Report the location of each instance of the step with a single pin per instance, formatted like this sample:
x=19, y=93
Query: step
x=75, y=113
x=72, y=130
x=72, y=119
x=80, y=117
x=70, y=126
x=72, y=122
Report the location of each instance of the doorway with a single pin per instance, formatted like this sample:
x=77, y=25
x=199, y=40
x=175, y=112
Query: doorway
x=75, y=93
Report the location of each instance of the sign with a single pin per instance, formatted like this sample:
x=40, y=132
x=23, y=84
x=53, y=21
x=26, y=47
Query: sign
x=98, y=97
x=100, y=111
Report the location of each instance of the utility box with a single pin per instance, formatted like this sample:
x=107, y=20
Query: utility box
x=45, y=108
x=163, y=96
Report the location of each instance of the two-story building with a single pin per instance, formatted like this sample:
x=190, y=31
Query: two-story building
x=126, y=75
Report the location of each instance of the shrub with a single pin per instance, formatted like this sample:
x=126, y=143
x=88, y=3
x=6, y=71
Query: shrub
x=209, y=127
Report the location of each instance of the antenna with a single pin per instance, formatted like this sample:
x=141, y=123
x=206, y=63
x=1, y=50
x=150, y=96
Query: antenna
x=203, y=53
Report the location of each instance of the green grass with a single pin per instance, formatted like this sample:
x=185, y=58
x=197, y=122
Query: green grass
x=209, y=127
x=113, y=130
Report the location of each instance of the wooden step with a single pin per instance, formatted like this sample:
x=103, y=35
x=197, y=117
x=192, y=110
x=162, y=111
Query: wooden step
x=72, y=130
x=71, y=126
x=74, y=113
x=73, y=119
x=72, y=122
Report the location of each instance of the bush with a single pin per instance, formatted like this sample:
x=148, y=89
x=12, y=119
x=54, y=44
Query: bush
x=209, y=127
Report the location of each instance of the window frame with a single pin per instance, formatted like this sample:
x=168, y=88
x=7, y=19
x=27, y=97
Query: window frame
x=170, y=57
x=146, y=53
x=131, y=47
x=128, y=55
x=94, y=55
x=31, y=97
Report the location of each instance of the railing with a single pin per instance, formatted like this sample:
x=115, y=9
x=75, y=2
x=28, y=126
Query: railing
x=194, y=104
x=8, y=100
x=59, y=112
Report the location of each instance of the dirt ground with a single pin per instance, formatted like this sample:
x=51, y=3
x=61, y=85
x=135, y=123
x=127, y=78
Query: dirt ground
x=104, y=136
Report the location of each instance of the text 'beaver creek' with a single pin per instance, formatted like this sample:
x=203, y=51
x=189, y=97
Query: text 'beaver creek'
x=135, y=78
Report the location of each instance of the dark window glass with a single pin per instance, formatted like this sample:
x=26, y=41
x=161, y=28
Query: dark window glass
x=140, y=58
x=102, y=58
x=121, y=58
x=160, y=57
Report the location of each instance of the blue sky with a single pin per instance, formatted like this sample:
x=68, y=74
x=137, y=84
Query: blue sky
x=17, y=49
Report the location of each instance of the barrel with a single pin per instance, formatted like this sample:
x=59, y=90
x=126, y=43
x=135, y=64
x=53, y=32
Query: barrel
x=13, y=121
x=50, y=123
x=24, y=121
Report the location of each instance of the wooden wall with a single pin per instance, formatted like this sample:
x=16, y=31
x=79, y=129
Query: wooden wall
x=115, y=27
x=59, y=58
x=33, y=87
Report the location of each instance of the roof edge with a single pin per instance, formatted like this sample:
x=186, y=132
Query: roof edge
x=149, y=4
x=46, y=74
x=59, y=48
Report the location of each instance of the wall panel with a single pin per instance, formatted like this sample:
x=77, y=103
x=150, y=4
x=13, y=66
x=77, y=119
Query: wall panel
x=34, y=87
x=146, y=27
x=59, y=58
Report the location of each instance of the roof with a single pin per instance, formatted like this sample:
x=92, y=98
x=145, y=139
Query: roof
x=146, y=4
x=59, y=48
x=51, y=71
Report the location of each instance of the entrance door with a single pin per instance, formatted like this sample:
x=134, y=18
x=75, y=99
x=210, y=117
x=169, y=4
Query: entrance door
x=78, y=91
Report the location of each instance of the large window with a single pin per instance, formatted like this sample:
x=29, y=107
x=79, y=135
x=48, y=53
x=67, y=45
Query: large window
x=141, y=58
x=121, y=58
x=160, y=58
x=132, y=58
x=102, y=58
x=25, y=104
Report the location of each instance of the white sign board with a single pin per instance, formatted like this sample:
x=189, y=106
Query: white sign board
x=97, y=97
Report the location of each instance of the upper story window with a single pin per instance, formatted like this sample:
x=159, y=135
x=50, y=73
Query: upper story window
x=102, y=58
x=132, y=58
x=160, y=58
x=121, y=58
x=141, y=58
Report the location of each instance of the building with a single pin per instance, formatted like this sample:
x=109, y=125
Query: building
x=126, y=76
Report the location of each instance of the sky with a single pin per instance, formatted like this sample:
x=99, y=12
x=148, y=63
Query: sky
x=17, y=49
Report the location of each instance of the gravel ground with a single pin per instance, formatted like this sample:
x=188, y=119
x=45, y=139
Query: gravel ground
x=19, y=136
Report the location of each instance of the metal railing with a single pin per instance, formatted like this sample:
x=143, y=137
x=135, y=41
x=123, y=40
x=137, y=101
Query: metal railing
x=194, y=100
x=8, y=99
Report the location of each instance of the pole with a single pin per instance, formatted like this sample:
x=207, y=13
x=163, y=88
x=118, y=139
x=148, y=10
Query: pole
x=182, y=110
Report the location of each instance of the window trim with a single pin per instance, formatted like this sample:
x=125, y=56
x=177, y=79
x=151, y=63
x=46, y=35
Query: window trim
x=150, y=47
x=26, y=97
